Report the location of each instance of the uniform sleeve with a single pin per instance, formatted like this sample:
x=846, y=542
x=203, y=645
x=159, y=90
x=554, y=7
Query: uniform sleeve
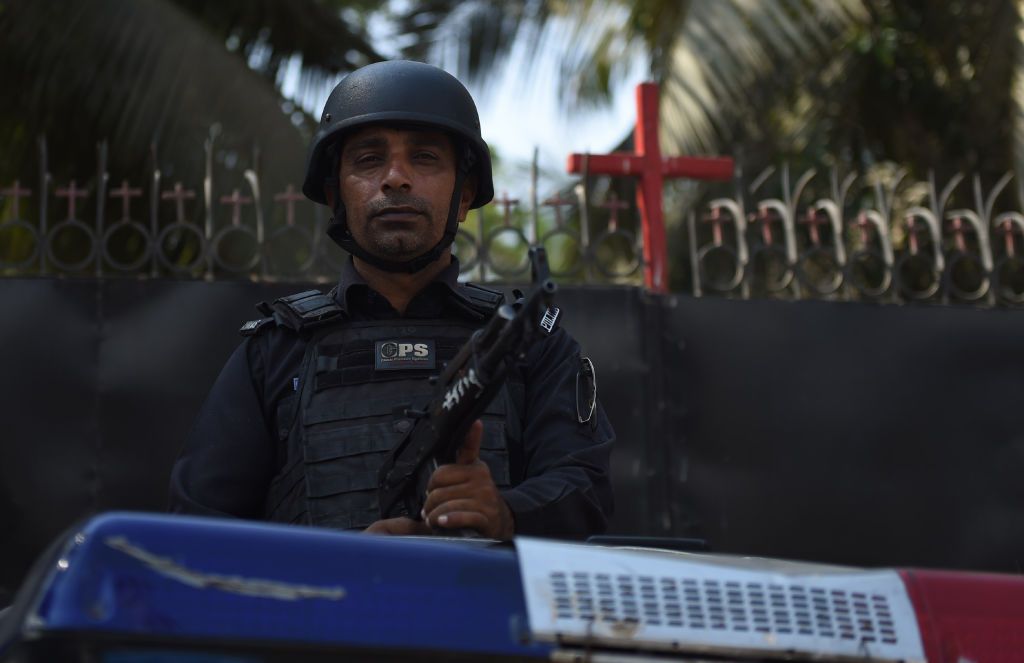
x=228, y=458
x=566, y=492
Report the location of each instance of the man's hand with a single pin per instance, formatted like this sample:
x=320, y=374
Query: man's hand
x=464, y=496
x=398, y=527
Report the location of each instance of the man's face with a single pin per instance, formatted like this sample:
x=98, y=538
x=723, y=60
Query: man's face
x=396, y=185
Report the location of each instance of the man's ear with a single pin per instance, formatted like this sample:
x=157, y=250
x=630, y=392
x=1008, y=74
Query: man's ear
x=468, y=194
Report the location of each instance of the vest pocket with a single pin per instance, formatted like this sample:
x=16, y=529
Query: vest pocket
x=342, y=464
x=344, y=495
x=376, y=437
x=346, y=460
x=336, y=405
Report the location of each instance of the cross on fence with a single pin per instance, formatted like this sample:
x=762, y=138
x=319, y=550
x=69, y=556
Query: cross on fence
x=614, y=206
x=289, y=197
x=717, y=221
x=126, y=193
x=179, y=195
x=508, y=204
x=236, y=201
x=16, y=193
x=651, y=169
x=72, y=193
x=913, y=230
x=1006, y=230
x=864, y=226
x=765, y=218
x=557, y=202
x=814, y=221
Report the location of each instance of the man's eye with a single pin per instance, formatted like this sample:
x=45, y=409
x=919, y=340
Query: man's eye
x=367, y=159
x=426, y=156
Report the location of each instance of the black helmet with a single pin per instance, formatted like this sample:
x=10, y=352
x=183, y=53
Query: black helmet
x=405, y=93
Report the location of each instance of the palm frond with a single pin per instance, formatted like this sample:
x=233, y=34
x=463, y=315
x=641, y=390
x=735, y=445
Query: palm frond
x=732, y=54
x=312, y=41
x=472, y=39
x=329, y=37
x=140, y=74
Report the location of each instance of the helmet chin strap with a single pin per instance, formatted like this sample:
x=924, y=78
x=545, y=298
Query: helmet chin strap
x=338, y=230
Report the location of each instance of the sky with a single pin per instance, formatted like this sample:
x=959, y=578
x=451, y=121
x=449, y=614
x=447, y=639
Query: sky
x=518, y=118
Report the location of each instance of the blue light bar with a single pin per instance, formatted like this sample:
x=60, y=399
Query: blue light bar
x=193, y=580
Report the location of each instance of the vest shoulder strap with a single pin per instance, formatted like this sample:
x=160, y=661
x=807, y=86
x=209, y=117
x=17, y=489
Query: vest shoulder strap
x=301, y=312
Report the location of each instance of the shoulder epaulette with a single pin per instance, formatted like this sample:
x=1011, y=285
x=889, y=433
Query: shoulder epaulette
x=299, y=312
x=252, y=327
x=306, y=310
x=481, y=300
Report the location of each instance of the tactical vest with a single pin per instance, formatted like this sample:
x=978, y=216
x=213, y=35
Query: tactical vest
x=347, y=408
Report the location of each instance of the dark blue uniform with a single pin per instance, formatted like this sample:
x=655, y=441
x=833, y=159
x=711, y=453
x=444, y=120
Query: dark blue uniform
x=561, y=487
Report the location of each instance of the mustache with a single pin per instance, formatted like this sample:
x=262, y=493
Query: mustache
x=398, y=199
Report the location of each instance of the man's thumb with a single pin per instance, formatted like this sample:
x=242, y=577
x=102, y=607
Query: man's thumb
x=469, y=452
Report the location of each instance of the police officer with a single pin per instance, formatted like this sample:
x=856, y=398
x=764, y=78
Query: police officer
x=299, y=421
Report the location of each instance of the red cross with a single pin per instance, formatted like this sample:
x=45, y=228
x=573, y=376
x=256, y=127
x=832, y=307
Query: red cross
x=236, y=201
x=651, y=169
x=126, y=193
x=179, y=195
x=289, y=198
x=16, y=193
x=72, y=193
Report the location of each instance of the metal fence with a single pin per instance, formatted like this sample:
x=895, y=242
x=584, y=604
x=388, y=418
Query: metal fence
x=878, y=237
x=228, y=227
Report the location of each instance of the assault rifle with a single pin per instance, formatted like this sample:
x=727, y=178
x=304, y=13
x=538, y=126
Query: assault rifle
x=466, y=386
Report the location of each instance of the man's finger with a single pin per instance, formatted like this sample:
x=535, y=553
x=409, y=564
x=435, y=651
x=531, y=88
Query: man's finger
x=473, y=520
x=465, y=504
x=439, y=496
x=452, y=475
x=469, y=452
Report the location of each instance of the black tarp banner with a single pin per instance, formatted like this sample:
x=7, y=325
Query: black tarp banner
x=850, y=433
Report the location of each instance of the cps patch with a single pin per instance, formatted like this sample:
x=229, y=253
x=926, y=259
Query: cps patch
x=404, y=354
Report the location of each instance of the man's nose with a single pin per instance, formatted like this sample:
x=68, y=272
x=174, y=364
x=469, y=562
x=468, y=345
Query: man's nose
x=397, y=175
